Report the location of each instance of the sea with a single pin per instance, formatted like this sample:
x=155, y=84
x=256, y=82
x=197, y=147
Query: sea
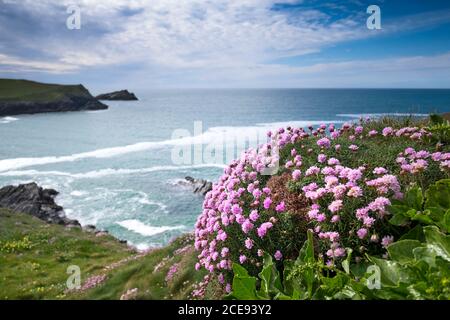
x=122, y=169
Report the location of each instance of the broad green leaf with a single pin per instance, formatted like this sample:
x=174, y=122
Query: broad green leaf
x=438, y=242
x=438, y=195
x=239, y=270
x=426, y=255
x=446, y=221
x=423, y=217
x=270, y=278
x=390, y=271
x=402, y=251
x=346, y=262
x=400, y=209
x=414, y=198
x=415, y=233
x=399, y=219
x=307, y=251
x=244, y=288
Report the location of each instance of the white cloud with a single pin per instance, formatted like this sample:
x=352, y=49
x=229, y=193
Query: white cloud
x=215, y=42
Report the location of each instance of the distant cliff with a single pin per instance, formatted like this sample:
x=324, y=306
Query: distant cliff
x=117, y=95
x=29, y=97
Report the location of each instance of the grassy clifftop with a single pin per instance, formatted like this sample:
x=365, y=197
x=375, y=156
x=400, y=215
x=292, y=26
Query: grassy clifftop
x=25, y=90
x=34, y=257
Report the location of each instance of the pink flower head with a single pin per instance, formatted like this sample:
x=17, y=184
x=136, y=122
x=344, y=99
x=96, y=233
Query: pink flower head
x=324, y=143
x=380, y=170
x=278, y=255
x=254, y=215
x=247, y=226
x=242, y=258
x=387, y=131
x=335, y=206
x=387, y=240
x=362, y=233
x=249, y=243
x=296, y=175
x=353, y=147
x=281, y=207
x=321, y=158
x=267, y=203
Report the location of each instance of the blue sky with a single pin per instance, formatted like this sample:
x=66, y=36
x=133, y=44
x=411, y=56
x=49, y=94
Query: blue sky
x=142, y=44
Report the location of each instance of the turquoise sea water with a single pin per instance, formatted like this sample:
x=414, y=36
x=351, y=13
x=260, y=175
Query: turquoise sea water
x=114, y=168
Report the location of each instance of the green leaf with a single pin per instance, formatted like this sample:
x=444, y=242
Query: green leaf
x=414, y=198
x=346, y=262
x=415, y=233
x=399, y=219
x=402, y=251
x=446, y=221
x=438, y=242
x=239, y=270
x=244, y=286
x=307, y=251
x=390, y=271
x=438, y=195
x=270, y=278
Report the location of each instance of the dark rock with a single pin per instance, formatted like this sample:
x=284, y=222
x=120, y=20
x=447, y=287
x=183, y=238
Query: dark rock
x=36, y=201
x=67, y=102
x=117, y=95
x=200, y=186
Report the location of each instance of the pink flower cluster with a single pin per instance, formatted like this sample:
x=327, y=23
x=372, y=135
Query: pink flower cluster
x=347, y=206
x=412, y=161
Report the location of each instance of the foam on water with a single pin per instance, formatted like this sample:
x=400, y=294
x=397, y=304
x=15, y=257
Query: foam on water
x=379, y=115
x=6, y=120
x=253, y=134
x=146, y=230
x=106, y=172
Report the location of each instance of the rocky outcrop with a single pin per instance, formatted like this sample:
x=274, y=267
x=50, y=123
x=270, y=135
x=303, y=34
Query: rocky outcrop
x=36, y=201
x=29, y=97
x=117, y=95
x=200, y=186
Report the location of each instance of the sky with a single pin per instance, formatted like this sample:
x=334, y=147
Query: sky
x=147, y=44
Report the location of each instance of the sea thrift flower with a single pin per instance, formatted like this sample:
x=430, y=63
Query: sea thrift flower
x=247, y=226
x=278, y=255
x=335, y=206
x=362, y=233
x=242, y=259
x=280, y=207
x=249, y=243
x=324, y=143
x=355, y=192
x=335, y=218
x=387, y=131
x=296, y=175
x=321, y=158
x=333, y=162
x=262, y=230
x=387, y=240
x=267, y=203
x=254, y=215
x=379, y=171
x=312, y=171
x=353, y=147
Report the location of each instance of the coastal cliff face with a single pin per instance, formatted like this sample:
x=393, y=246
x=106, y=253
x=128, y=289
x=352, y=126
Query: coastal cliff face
x=36, y=201
x=124, y=95
x=28, y=97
